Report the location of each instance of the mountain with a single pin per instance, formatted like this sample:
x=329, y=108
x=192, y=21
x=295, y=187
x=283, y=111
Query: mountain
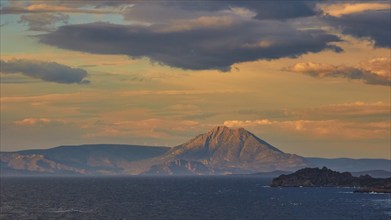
x=80, y=160
x=220, y=151
x=315, y=177
x=226, y=150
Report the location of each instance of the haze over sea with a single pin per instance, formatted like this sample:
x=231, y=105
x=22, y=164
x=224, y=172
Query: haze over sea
x=191, y=197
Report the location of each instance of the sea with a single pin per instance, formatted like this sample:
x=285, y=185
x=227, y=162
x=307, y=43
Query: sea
x=182, y=198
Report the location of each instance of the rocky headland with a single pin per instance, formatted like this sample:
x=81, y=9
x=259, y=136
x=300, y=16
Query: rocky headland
x=316, y=177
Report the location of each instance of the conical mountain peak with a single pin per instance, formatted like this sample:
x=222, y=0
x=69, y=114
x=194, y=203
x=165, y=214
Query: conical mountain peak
x=225, y=128
x=226, y=131
x=220, y=129
x=234, y=148
x=224, y=145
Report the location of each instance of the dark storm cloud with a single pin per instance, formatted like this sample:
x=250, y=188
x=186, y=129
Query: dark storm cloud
x=162, y=11
x=277, y=9
x=274, y=9
x=194, y=47
x=369, y=24
x=47, y=71
x=285, y=9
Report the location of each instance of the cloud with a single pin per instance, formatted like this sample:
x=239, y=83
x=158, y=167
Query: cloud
x=362, y=111
x=43, y=22
x=320, y=128
x=202, y=48
x=45, y=98
x=182, y=92
x=354, y=120
x=260, y=10
x=355, y=111
x=150, y=128
x=39, y=122
x=380, y=66
x=46, y=71
x=67, y=3
x=338, y=10
x=369, y=73
x=201, y=23
x=374, y=25
x=285, y=10
x=247, y=123
x=34, y=8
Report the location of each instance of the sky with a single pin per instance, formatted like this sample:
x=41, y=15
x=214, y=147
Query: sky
x=309, y=77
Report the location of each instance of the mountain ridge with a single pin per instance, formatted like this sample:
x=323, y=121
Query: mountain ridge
x=94, y=159
x=222, y=151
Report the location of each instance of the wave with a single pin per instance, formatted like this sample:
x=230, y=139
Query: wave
x=70, y=210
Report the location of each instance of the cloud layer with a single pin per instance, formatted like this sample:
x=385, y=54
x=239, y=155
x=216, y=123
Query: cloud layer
x=215, y=35
x=376, y=71
x=45, y=7
x=357, y=120
x=43, y=22
x=321, y=128
x=202, y=46
x=374, y=25
x=47, y=71
x=260, y=10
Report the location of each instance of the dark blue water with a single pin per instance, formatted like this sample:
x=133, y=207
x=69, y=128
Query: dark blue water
x=181, y=198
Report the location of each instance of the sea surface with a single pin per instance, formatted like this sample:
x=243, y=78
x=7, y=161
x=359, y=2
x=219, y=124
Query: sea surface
x=181, y=198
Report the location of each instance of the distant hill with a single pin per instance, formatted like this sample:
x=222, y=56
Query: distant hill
x=80, y=160
x=220, y=151
x=373, y=173
x=351, y=165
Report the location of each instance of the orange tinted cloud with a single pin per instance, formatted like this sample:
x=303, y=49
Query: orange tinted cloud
x=380, y=66
x=181, y=92
x=150, y=128
x=45, y=8
x=342, y=111
x=321, y=128
x=375, y=71
x=39, y=121
x=356, y=120
x=338, y=10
